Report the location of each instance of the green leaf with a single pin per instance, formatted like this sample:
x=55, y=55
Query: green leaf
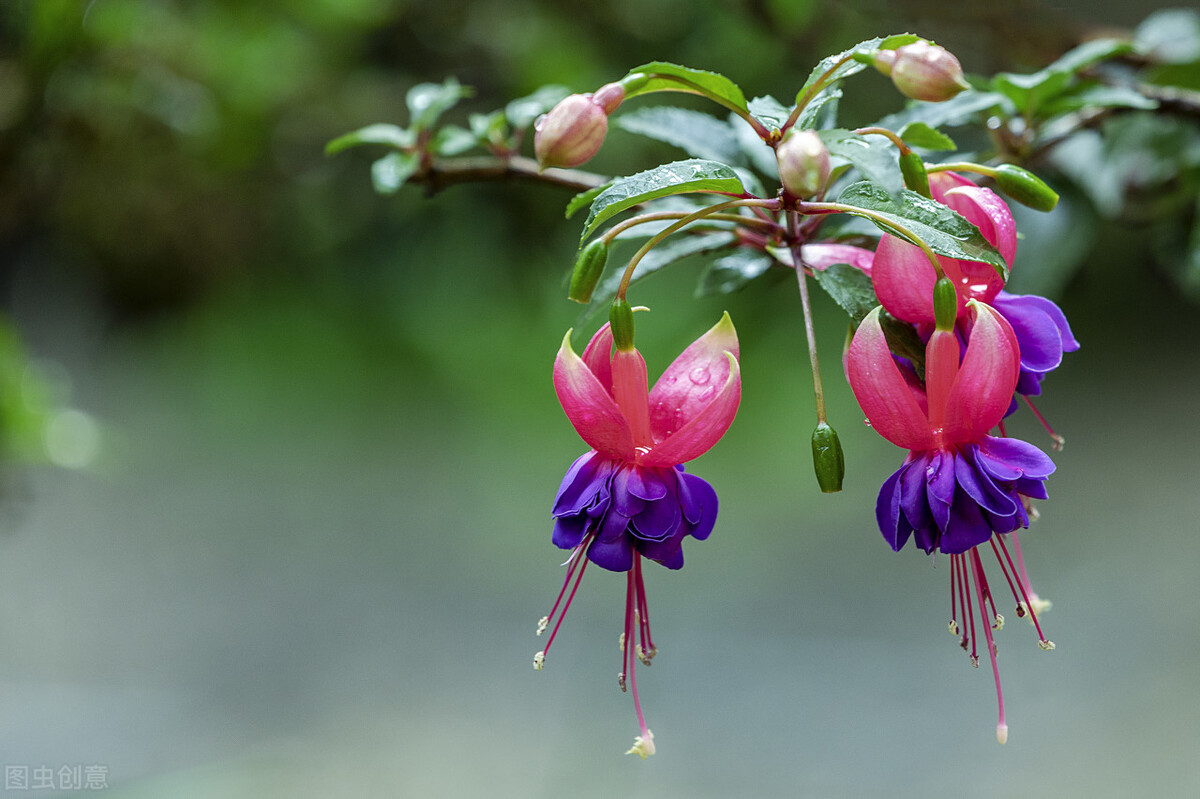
x=665, y=254
x=1029, y=92
x=902, y=339
x=855, y=60
x=1170, y=36
x=391, y=172
x=920, y=134
x=1098, y=96
x=452, y=140
x=698, y=134
x=943, y=230
x=769, y=111
x=755, y=150
x=663, y=76
x=522, y=111
x=680, y=177
x=392, y=135
x=732, y=272
x=489, y=127
x=958, y=110
x=873, y=156
x=583, y=199
x=850, y=288
x=821, y=111
x=428, y=101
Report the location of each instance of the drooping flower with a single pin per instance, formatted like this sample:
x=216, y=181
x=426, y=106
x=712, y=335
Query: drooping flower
x=959, y=488
x=629, y=498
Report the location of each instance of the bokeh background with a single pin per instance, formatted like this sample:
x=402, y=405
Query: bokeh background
x=309, y=542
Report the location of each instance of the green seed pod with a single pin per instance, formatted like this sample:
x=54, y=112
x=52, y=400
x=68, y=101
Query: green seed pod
x=828, y=460
x=589, y=266
x=912, y=167
x=1025, y=187
x=945, y=303
x=620, y=316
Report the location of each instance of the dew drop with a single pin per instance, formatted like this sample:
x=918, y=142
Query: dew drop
x=708, y=392
x=699, y=375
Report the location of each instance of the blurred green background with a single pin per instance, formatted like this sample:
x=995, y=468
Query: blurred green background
x=310, y=554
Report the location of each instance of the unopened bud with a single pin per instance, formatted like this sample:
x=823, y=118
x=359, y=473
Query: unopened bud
x=945, y=303
x=620, y=316
x=912, y=167
x=1025, y=187
x=828, y=460
x=609, y=96
x=923, y=71
x=803, y=163
x=589, y=266
x=571, y=132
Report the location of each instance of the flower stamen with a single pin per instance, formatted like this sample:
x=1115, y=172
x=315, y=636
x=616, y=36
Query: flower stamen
x=575, y=564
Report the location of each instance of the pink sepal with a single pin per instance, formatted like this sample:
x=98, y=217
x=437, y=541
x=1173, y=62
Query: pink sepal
x=589, y=407
x=692, y=380
x=706, y=425
x=983, y=389
x=598, y=356
x=904, y=279
x=824, y=255
x=881, y=390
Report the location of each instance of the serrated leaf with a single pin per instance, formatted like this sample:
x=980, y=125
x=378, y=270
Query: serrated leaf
x=665, y=254
x=1170, y=36
x=1030, y=92
x=872, y=156
x=584, y=199
x=958, y=110
x=428, y=101
x=392, y=135
x=522, y=111
x=852, y=65
x=821, y=111
x=712, y=83
x=920, y=134
x=943, y=230
x=679, y=177
x=391, y=172
x=1099, y=96
x=732, y=272
x=850, y=288
x=756, y=151
x=769, y=111
x=698, y=134
x=452, y=140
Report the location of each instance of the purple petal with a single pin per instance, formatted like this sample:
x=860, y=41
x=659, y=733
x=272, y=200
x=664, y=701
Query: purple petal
x=613, y=527
x=586, y=476
x=913, y=499
x=662, y=552
x=616, y=556
x=658, y=520
x=569, y=531
x=892, y=524
x=980, y=486
x=647, y=484
x=967, y=528
x=700, y=507
x=1010, y=458
x=624, y=501
x=939, y=481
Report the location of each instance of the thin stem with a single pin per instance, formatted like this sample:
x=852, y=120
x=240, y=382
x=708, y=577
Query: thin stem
x=687, y=220
x=962, y=166
x=442, y=172
x=818, y=389
x=812, y=92
x=658, y=216
x=891, y=134
x=905, y=233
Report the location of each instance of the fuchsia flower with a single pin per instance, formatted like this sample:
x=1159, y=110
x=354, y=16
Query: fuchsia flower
x=629, y=497
x=959, y=488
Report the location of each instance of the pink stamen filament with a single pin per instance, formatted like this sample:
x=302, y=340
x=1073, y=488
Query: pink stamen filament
x=634, y=598
x=1021, y=573
x=577, y=555
x=971, y=612
x=1059, y=441
x=1024, y=595
x=648, y=647
x=980, y=590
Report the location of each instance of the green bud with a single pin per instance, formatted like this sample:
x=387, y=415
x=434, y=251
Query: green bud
x=912, y=167
x=945, y=303
x=589, y=266
x=803, y=163
x=828, y=460
x=1025, y=187
x=620, y=316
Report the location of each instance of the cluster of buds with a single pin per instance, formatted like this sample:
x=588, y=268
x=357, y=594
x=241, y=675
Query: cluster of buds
x=573, y=131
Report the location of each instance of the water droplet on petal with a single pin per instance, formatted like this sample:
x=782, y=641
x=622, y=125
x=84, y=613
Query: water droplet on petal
x=699, y=375
x=707, y=393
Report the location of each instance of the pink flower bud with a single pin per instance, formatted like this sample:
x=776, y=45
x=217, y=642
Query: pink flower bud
x=925, y=71
x=571, y=133
x=803, y=163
